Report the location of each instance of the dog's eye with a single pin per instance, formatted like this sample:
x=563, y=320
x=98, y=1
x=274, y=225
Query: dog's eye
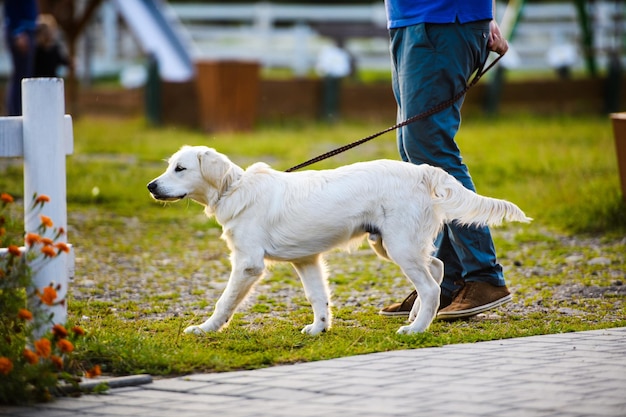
x=179, y=168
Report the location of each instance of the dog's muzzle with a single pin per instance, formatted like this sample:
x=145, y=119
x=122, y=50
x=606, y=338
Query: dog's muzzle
x=153, y=187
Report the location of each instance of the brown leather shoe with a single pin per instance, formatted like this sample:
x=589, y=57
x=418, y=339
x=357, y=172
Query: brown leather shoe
x=404, y=308
x=475, y=298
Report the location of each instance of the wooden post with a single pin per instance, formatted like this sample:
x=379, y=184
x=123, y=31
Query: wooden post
x=43, y=109
x=619, y=134
x=228, y=95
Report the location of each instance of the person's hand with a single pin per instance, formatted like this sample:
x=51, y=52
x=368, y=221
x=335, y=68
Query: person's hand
x=22, y=42
x=496, y=42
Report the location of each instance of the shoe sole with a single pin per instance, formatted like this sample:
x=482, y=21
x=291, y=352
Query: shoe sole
x=394, y=313
x=399, y=313
x=448, y=315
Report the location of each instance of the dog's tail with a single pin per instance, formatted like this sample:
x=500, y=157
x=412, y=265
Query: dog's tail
x=456, y=203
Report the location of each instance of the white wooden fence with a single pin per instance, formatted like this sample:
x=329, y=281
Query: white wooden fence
x=43, y=137
x=283, y=34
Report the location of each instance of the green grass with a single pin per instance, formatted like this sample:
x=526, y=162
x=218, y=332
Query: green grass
x=145, y=270
x=159, y=347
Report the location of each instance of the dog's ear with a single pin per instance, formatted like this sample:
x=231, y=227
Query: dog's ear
x=211, y=166
x=217, y=169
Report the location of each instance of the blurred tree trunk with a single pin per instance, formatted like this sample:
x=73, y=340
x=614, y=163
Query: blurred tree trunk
x=72, y=17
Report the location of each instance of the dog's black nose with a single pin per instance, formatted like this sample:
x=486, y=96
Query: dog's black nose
x=152, y=186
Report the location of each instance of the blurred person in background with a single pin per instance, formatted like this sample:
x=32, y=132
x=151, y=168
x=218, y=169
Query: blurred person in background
x=20, y=23
x=49, y=56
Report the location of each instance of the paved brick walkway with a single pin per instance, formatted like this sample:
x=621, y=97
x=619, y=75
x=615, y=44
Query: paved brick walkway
x=572, y=374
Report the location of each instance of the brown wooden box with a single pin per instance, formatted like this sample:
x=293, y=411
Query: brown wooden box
x=228, y=95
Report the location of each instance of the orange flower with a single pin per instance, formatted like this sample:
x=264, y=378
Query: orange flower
x=57, y=361
x=42, y=199
x=43, y=347
x=24, y=314
x=6, y=198
x=65, y=346
x=14, y=250
x=47, y=241
x=6, y=366
x=59, y=331
x=93, y=372
x=32, y=238
x=3, y=231
x=78, y=331
x=31, y=357
x=63, y=247
x=46, y=221
x=48, y=296
x=48, y=251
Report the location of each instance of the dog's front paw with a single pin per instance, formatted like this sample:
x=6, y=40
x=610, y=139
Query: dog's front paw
x=314, y=329
x=194, y=330
x=409, y=330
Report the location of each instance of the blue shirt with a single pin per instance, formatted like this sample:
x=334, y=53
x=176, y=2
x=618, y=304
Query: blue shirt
x=401, y=13
x=20, y=16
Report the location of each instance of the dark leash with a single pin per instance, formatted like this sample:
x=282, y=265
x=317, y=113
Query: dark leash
x=436, y=109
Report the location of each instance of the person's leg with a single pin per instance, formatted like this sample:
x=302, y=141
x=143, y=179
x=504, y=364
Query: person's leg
x=431, y=63
x=413, y=59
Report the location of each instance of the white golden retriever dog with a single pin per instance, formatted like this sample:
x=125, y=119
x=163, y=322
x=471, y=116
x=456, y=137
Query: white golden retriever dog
x=268, y=215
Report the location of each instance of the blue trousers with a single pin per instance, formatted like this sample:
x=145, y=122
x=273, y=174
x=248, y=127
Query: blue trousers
x=430, y=64
x=23, y=67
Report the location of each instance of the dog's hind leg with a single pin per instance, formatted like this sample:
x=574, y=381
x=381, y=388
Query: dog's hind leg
x=435, y=267
x=245, y=273
x=376, y=243
x=436, y=270
x=418, y=266
x=313, y=276
x=428, y=291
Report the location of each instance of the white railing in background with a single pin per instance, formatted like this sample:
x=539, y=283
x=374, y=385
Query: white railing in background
x=43, y=137
x=282, y=35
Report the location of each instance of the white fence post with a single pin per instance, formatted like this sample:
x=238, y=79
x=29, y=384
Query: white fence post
x=43, y=136
x=43, y=110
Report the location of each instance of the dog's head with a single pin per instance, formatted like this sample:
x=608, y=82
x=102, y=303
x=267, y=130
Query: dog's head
x=197, y=172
